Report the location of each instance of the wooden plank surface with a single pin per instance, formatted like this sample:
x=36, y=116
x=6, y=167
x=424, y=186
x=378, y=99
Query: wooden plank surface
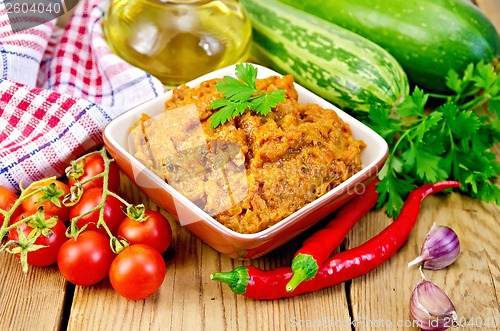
x=471, y=282
x=33, y=301
x=189, y=300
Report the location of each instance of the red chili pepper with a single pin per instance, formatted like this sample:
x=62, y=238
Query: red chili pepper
x=320, y=245
x=259, y=284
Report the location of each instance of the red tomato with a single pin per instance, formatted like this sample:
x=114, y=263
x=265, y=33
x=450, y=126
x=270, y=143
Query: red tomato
x=7, y=200
x=49, y=207
x=47, y=255
x=154, y=231
x=86, y=260
x=94, y=165
x=113, y=214
x=137, y=272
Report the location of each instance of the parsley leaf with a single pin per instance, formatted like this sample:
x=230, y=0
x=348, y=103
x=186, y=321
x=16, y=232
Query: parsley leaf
x=240, y=94
x=414, y=104
x=494, y=105
x=453, y=141
x=392, y=188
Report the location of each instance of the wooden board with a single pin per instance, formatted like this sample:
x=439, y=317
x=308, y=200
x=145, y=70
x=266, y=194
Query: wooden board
x=33, y=301
x=189, y=300
x=382, y=296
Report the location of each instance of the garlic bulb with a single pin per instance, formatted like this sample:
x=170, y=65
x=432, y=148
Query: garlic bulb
x=440, y=248
x=431, y=308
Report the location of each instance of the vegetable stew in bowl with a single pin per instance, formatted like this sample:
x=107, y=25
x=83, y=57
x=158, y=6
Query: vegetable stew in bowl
x=255, y=181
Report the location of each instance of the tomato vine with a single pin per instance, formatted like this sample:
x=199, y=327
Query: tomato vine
x=26, y=244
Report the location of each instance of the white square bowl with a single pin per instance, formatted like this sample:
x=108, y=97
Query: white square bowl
x=224, y=240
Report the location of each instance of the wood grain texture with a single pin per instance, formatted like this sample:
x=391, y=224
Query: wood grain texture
x=471, y=282
x=189, y=300
x=30, y=302
x=380, y=299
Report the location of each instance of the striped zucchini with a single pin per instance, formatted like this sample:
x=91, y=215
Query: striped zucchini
x=340, y=66
x=427, y=37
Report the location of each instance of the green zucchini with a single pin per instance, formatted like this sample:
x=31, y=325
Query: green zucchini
x=428, y=37
x=338, y=65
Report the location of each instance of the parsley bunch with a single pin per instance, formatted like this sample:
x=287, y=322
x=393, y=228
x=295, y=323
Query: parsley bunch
x=451, y=142
x=242, y=94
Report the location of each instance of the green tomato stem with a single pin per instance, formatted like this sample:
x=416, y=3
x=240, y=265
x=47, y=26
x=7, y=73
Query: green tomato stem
x=7, y=245
x=101, y=221
x=91, y=179
x=23, y=245
x=23, y=196
x=127, y=204
x=15, y=225
x=118, y=245
x=24, y=261
x=105, y=193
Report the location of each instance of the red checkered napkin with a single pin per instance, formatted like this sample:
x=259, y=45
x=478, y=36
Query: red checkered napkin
x=58, y=90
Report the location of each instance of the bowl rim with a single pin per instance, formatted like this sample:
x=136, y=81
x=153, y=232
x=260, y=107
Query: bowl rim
x=366, y=172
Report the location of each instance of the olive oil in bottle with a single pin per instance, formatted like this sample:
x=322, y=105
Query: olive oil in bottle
x=177, y=41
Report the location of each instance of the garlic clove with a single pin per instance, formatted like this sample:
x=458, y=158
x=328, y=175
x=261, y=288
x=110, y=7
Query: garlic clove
x=440, y=248
x=431, y=308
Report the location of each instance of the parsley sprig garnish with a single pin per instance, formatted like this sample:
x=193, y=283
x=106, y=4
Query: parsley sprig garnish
x=453, y=141
x=242, y=94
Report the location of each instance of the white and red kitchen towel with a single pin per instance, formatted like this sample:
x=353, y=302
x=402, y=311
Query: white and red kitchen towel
x=59, y=87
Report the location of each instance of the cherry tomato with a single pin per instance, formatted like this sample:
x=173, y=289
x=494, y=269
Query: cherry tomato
x=113, y=214
x=137, y=272
x=94, y=165
x=7, y=200
x=47, y=255
x=154, y=231
x=61, y=211
x=86, y=260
